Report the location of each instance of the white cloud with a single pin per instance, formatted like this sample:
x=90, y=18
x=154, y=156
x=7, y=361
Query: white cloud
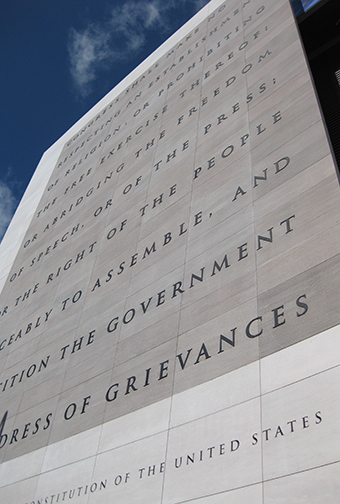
x=8, y=204
x=130, y=23
x=87, y=51
x=136, y=16
x=124, y=33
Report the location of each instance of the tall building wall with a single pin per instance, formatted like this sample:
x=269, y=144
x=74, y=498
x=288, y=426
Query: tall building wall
x=169, y=307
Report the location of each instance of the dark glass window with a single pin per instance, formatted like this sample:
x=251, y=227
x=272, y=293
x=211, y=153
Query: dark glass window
x=301, y=6
x=320, y=33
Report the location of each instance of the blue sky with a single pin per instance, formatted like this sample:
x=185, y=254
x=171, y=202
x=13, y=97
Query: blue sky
x=58, y=58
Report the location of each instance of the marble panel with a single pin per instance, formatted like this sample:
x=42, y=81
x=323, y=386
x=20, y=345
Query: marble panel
x=268, y=24
x=234, y=294
x=140, y=311
x=22, y=339
x=299, y=308
x=154, y=268
x=299, y=184
x=298, y=361
x=223, y=392
x=221, y=265
x=219, y=224
x=137, y=425
x=173, y=219
x=269, y=139
x=97, y=361
x=27, y=373
x=204, y=457
x=309, y=213
x=301, y=154
x=99, y=309
x=142, y=341
x=215, y=346
x=25, y=467
x=308, y=486
x=80, y=408
x=134, y=472
x=243, y=495
x=303, y=418
x=304, y=257
x=69, y=480
x=18, y=492
x=216, y=101
x=49, y=388
x=281, y=68
x=59, y=454
x=141, y=381
x=28, y=430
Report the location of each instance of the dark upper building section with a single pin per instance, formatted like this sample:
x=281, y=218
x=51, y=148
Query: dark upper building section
x=319, y=25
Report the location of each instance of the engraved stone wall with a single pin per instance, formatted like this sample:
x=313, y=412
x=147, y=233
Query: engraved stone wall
x=169, y=307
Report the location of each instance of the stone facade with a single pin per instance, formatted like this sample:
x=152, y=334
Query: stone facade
x=169, y=307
